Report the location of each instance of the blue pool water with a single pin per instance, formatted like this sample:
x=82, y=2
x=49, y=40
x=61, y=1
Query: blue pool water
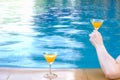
x=30, y=28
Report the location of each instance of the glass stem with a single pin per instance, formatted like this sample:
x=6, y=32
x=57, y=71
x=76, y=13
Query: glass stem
x=50, y=69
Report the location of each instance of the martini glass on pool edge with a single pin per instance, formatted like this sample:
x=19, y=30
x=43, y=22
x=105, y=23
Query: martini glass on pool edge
x=97, y=23
x=50, y=58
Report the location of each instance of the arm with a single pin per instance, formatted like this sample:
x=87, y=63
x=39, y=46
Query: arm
x=109, y=65
x=118, y=59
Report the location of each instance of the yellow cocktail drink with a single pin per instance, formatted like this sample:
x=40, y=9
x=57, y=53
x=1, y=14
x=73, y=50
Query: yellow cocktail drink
x=50, y=58
x=97, y=24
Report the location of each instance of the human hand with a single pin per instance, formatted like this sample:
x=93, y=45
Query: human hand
x=96, y=39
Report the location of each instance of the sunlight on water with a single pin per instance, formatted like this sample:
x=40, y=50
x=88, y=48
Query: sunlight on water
x=16, y=29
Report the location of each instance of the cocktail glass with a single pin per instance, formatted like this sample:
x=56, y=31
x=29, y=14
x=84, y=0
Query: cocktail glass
x=50, y=58
x=97, y=23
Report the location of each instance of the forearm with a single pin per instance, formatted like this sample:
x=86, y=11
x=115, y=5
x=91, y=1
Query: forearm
x=108, y=64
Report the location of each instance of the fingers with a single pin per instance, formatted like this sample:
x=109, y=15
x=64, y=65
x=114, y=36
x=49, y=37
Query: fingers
x=94, y=36
x=90, y=35
x=92, y=40
x=95, y=33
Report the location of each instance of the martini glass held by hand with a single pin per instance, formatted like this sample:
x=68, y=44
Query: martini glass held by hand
x=97, y=23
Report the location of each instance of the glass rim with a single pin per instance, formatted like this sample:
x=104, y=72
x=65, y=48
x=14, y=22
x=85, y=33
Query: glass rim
x=50, y=53
x=96, y=20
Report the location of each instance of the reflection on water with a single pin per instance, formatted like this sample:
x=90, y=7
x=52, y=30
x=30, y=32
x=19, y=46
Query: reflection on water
x=29, y=30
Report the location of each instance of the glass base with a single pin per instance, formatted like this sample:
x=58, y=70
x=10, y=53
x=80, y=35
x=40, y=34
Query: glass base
x=50, y=76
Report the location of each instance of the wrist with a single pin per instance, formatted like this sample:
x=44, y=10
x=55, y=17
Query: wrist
x=101, y=47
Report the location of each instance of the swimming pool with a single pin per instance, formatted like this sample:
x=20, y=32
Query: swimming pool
x=30, y=28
